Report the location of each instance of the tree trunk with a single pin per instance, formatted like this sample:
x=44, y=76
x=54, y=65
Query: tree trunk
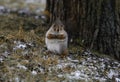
x=95, y=22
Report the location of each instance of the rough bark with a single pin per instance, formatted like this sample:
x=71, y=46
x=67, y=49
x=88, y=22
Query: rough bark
x=95, y=22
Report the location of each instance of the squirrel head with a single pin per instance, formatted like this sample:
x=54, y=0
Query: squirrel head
x=57, y=27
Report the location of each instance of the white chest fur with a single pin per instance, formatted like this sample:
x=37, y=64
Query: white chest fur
x=56, y=45
x=56, y=38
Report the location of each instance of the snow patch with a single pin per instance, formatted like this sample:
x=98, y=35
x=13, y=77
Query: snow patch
x=1, y=59
x=21, y=66
x=117, y=79
x=19, y=45
x=76, y=74
x=34, y=72
x=17, y=79
x=112, y=73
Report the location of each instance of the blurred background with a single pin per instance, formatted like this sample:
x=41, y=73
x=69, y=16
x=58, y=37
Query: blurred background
x=24, y=5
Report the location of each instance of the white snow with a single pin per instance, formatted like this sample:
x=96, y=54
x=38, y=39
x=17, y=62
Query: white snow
x=112, y=73
x=36, y=1
x=117, y=79
x=17, y=79
x=102, y=65
x=34, y=72
x=76, y=74
x=72, y=60
x=89, y=69
x=21, y=66
x=1, y=59
x=2, y=7
x=19, y=45
x=60, y=75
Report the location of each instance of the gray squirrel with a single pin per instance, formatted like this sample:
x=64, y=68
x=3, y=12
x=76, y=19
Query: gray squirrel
x=56, y=39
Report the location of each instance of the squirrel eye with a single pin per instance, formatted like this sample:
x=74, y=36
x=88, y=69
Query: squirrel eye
x=54, y=25
x=62, y=25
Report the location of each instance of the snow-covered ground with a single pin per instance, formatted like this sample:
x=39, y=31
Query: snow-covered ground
x=24, y=5
x=87, y=67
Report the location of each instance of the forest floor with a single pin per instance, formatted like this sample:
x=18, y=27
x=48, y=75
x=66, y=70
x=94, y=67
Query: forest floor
x=23, y=56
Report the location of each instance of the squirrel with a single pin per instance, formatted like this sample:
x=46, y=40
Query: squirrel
x=56, y=39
